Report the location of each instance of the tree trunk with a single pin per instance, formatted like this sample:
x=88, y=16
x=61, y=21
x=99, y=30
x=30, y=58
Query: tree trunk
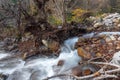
x=41, y=9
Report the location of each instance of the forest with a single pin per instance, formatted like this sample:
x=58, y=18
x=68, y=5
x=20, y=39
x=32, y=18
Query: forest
x=59, y=40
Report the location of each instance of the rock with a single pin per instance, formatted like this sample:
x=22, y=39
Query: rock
x=92, y=18
x=3, y=77
x=107, y=22
x=108, y=39
x=104, y=15
x=84, y=69
x=118, y=38
x=99, y=24
x=81, y=39
x=111, y=18
x=115, y=21
x=98, y=54
x=88, y=69
x=52, y=45
x=59, y=27
x=118, y=25
x=118, y=46
x=82, y=53
x=112, y=37
x=77, y=71
x=86, y=72
x=60, y=63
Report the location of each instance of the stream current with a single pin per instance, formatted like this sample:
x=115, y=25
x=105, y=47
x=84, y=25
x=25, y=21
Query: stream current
x=40, y=68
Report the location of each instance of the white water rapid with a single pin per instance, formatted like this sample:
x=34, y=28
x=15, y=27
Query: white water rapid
x=40, y=68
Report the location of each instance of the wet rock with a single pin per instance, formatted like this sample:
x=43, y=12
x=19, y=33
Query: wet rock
x=84, y=69
x=82, y=53
x=3, y=77
x=60, y=63
x=88, y=69
x=52, y=45
x=77, y=71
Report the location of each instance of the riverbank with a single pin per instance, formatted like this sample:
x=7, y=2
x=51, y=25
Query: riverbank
x=56, y=51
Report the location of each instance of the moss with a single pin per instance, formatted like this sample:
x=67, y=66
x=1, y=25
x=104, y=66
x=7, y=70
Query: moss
x=54, y=20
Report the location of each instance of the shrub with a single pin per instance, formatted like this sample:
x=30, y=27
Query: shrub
x=77, y=15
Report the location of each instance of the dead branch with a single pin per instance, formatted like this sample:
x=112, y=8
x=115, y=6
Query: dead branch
x=105, y=76
x=113, y=71
x=104, y=63
x=101, y=74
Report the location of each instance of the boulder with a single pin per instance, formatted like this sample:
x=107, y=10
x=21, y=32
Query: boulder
x=3, y=77
x=52, y=45
x=88, y=69
x=77, y=71
x=82, y=53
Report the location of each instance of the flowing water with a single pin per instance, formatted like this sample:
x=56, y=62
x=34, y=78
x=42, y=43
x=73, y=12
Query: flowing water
x=40, y=68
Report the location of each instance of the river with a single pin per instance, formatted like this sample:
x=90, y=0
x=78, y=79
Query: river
x=40, y=68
